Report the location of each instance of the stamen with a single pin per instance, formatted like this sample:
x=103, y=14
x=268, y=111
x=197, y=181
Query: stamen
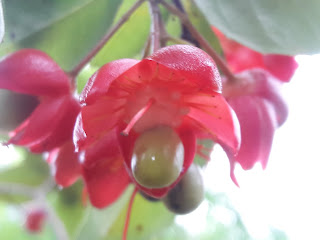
x=136, y=117
x=126, y=225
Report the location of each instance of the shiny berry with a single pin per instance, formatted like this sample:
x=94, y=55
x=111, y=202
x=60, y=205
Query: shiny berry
x=157, y=157
x=187, y=195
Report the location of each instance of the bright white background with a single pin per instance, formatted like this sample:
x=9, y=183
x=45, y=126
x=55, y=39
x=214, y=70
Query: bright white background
x=287, y=194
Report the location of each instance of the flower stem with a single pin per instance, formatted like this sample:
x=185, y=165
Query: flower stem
x=126, y=225
x=75, y=71
x=202, y=41
x=155, y=26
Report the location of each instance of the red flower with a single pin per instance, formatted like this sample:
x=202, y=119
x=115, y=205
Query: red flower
x=242, y=58
x=50, y=126
x=35, y=220
x=260, y=108
x=178, y=87
x=32, y=72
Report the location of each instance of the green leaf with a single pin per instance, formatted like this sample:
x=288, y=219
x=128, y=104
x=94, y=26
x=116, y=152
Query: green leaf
x=130, y=40
x=68, y=205
x=201, y=23
x=31, y=171
x=97, y=222
x=147, y=219
x=1, y=22
x=66, y=30
x=285, y=27
x=84, y=76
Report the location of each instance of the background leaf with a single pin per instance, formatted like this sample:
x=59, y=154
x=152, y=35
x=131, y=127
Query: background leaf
x=97, y=222
x=66, y=30
x=1, y=22
x=201, y=23
x=286, y=27
x=31, y=170
x=68, y=205
x=130, y=40
x=147, y=219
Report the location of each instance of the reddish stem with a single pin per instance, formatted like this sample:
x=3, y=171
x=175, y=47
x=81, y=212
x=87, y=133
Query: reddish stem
x=202, y=41
x=75, y=71
x=126, y=225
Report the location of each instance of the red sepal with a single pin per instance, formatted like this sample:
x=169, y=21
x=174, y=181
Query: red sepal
x=49, y=126
x=64, y=164
x=33, y=72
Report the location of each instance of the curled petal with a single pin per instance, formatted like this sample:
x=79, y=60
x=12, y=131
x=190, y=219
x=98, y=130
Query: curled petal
x=98, y=84
x=106, y=148
x=241, y=58
x=33, y=72
x=64, y=164
x=258, y=123
x=268, y=87
x=105, y=181
x=216, y=117
x=191, y=62
x=281, y=66
x=103, y=170
x=49, y=126
x=259, y=83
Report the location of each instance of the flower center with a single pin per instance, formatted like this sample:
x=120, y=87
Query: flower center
x=154, y=106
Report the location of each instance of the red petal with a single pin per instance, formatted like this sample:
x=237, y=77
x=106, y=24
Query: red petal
x=280, y=66
x=266, y=86
x=97, y=123
x=104, y=171
x=105, y=181
x=258, y=123
x=33, y=72
x=49, y=126
x=98, y=84
x=216, y=118
x=107, y=148
x=64, y=164
x=192, y=63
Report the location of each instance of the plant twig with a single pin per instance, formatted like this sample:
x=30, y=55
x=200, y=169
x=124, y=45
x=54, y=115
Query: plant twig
x=155, y=26
x=202, y=41
x=75, y=71
x=55, y=222
x=18, y=189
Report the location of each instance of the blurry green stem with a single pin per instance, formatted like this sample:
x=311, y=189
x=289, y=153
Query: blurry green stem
x=75, y=71
x=18, y=189
x=202, y=41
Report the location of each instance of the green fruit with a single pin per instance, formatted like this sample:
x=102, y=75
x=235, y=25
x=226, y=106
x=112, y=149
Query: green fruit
x=157, y=158
x=187, y=195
